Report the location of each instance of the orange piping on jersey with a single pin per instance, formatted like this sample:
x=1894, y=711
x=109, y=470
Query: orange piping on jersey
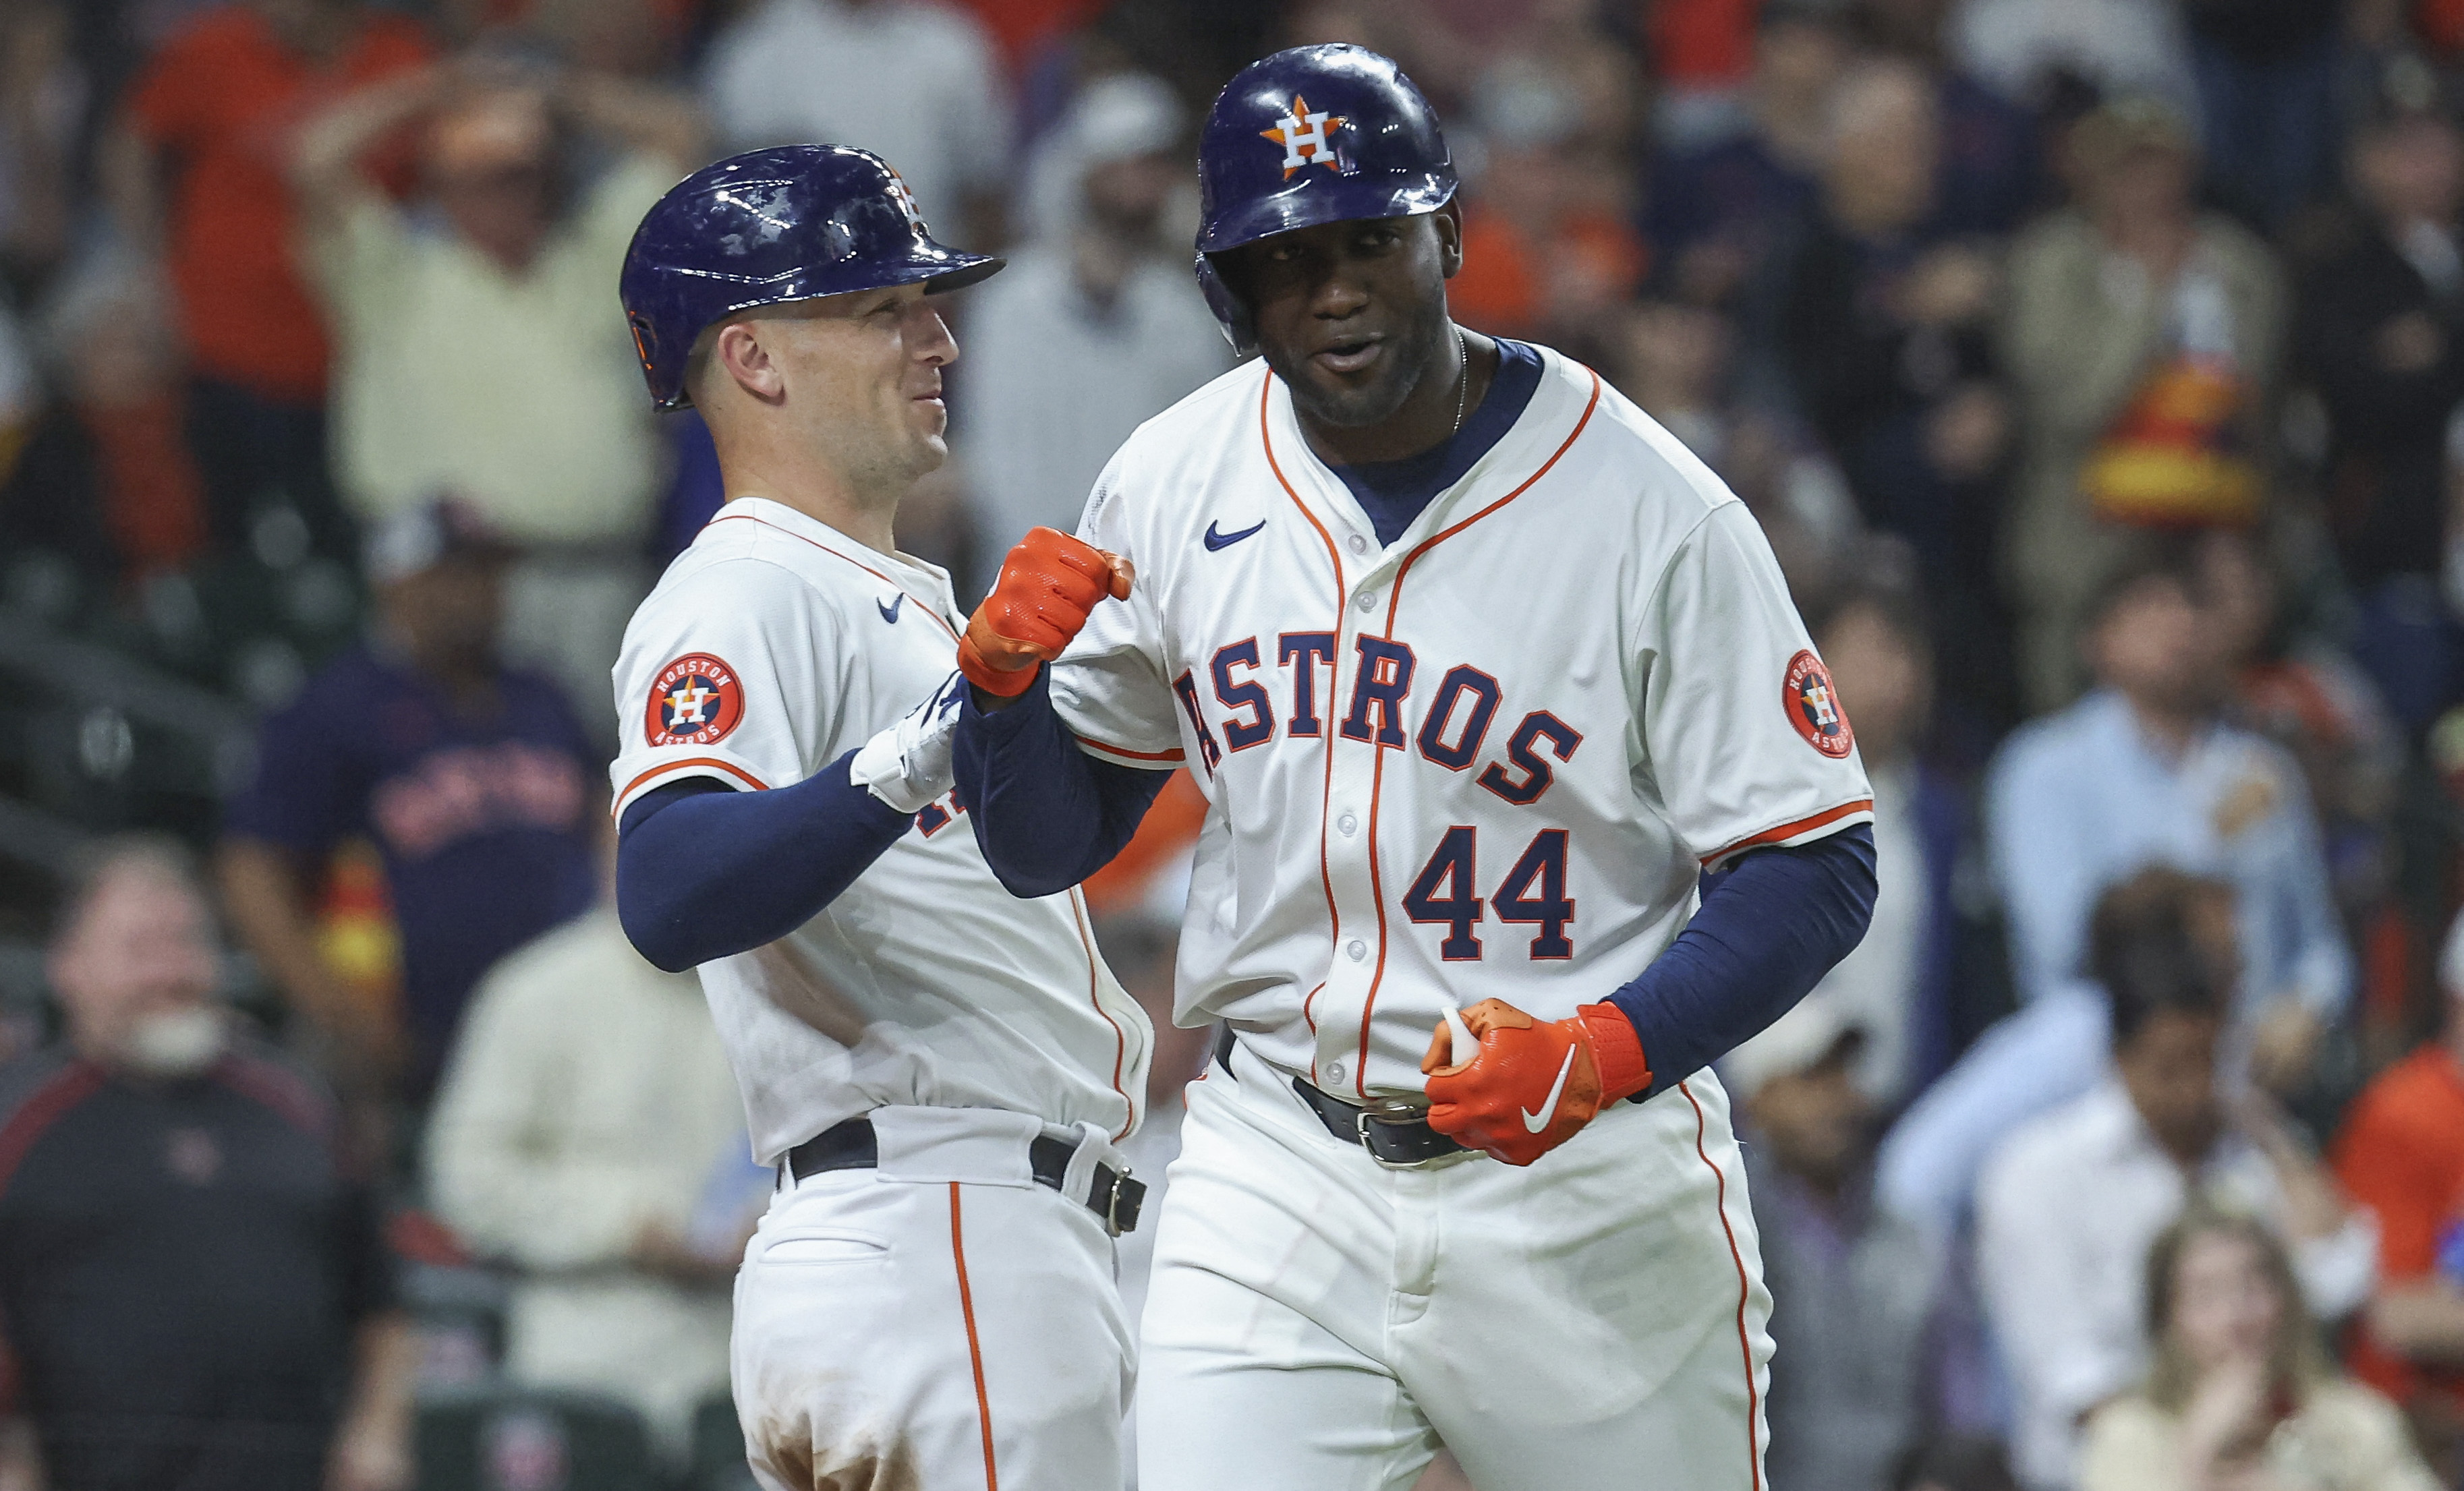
x=1135, y=755
x=1792, y=830
x=974, y=1347
x=1745, y=1291
x=1326, y=731
x=1094, y=989
x=1378, y=773
x=665, y=767
x=921, y=604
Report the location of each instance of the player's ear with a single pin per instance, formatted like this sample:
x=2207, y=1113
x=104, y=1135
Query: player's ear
x=742, y=356
x=1450, y=246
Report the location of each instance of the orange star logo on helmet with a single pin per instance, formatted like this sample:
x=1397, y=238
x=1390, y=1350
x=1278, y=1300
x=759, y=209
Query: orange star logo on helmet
x=904, y=199
x=1303, y=135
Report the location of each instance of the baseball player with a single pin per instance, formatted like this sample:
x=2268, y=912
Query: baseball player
x=1528, y=797
x=939, y=1071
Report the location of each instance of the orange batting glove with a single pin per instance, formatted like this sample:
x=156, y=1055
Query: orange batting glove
x=1532, y=1082
x=1048, y=586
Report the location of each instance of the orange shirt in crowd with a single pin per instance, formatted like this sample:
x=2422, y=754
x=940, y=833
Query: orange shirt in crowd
x=1504, y=286
x=222, y=99
x=1705, y=43
x=2441, y=23
x=2401, y=1155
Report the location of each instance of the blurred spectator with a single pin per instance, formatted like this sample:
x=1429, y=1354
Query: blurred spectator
x=1854, y=1289
x=1896, y=986
x=1674, y=360
x=1702, y=52
x=2239, y=1393
x=197, y=1291
x=2382, y=341
x=1718, y=213
x=2310, y=700
x=43, y=99
x=1549, y=247
x=2266, y=76
x=2143, y=337
x=587, y=1111
x=1092, y=332
x=477, y=352
x=1886, y=332
x=2067, y=1207
x=1987, y=180
x=2118, y=47
x=195, y=171
x=1023, y=27
x=472, y=779
x=116, y=446
x=2144, y=771
x=2401, y=1155
x=110, y=348
x=916, y=83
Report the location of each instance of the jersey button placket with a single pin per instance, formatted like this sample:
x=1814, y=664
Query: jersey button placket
x=1352, y=970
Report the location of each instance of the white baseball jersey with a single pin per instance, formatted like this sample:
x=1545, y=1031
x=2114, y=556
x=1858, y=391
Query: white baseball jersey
x=1490, y=758
x=771, y=648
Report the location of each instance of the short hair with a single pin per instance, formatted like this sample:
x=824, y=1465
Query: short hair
x=2144, y=948
x=90, y=866
x=1881, y=580
x=2169, y=559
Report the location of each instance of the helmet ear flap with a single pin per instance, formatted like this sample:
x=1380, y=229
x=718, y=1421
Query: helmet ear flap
x=1231, y=313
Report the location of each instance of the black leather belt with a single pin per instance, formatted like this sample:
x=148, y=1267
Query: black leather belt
x=1400, y=1140
x=1110, y=1193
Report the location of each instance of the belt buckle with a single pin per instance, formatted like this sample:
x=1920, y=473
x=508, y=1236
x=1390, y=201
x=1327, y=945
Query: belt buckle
x=1122, y=1203
x=1392, y=1111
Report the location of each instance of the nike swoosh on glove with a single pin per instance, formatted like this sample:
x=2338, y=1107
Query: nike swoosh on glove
x=1048, y=585
x=1533, y=1083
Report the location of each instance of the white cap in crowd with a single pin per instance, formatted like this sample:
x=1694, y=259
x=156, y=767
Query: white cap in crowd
x=403, y=544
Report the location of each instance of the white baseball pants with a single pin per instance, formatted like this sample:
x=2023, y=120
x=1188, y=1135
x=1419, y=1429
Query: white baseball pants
x=941, y=1322
x=1316, y=1323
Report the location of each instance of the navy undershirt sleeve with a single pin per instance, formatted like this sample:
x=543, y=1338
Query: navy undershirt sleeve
x=1769, y=927
x=703, y=871
x=1046, y=814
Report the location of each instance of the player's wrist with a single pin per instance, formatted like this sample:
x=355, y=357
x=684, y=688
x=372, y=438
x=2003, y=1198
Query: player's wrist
x=1004, y=683
x=1617, y=1051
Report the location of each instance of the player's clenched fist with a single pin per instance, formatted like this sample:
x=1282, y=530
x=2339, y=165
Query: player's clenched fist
x=1048, y=586
x=1534, y=1083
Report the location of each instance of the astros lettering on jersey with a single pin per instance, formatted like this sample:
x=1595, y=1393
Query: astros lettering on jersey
x=1490, y=758
x=772, y=646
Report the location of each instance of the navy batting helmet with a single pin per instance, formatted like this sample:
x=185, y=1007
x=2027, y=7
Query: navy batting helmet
x=790, y=223
x=1311, y=134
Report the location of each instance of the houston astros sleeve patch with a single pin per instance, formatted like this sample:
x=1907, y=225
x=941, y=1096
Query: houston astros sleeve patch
x=1813, y=707
x=696, y=700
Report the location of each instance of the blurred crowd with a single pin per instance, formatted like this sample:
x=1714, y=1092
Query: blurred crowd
x=2096, y=368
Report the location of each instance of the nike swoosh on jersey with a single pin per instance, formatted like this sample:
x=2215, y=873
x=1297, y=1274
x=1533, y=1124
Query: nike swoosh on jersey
x=1533, y=1123
x=890, y=612
x=1215, y=541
